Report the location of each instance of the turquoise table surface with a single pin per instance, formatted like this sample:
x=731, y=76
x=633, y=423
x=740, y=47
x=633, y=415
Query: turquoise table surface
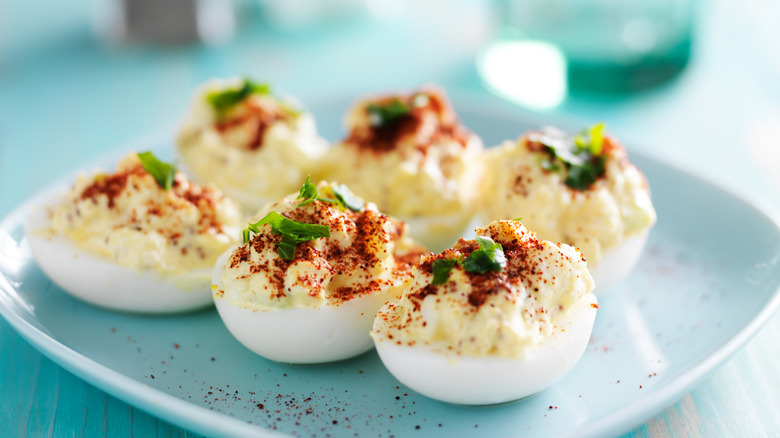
x=67, y=98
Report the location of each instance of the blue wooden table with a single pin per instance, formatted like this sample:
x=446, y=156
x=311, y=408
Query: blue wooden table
x=65, y=99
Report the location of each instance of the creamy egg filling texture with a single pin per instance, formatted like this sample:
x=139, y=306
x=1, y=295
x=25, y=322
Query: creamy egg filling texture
x=253, y=146
x=367, y=253
x=128, y=218
x=409, y=154
x=527, y=181
x=313, y=271
x=501, y=314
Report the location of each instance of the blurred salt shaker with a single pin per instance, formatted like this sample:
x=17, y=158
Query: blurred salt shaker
x=165, y=21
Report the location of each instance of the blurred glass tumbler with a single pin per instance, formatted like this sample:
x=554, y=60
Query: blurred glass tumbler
x=607, y=45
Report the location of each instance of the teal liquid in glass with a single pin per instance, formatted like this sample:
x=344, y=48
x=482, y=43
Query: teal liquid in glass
x=592, y=46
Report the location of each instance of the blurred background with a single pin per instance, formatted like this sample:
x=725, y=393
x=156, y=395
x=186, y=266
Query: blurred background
x=695, y=82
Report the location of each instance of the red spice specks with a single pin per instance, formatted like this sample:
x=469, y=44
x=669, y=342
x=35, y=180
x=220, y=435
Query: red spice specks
x=358, y=260
x=387, y=137
x=110, y=186
x=258, y=118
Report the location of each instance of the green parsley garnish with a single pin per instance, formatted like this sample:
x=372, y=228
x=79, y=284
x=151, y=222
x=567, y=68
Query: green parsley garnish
x=387, y=113
x=341, y=196
x=292, y=232
x=595, y=140
x=308, y=192
x=489, y=257
x=162, y=172
x=582, y=155
x=442, y=269
x=383, y=114
x=222, y=101
x=346, y=198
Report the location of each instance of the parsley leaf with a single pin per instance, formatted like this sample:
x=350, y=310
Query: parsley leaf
x=442, y=269
x=223, y=100
x=596, y=138
x=162, y=172
x=582, y=155
x=292, y=232
x=346, y=198
x=387, y=113
x=286, y=247
x=342, y=196
x=581, y=177
x=308, y=192
x=489, y=257
x=299, y=230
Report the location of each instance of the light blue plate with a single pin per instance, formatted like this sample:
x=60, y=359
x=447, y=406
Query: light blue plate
x=708, y=280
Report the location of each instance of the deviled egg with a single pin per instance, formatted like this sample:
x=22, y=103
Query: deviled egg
x=252, y=145
x=313, y=270
x=410, y=155
x=141, y=239
x=580, y=189
x=490, y=320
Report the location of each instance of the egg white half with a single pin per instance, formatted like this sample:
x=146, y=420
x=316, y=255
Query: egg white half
x=617, y=263
x=99, y=281
x=300, y=335
x=488, y=380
